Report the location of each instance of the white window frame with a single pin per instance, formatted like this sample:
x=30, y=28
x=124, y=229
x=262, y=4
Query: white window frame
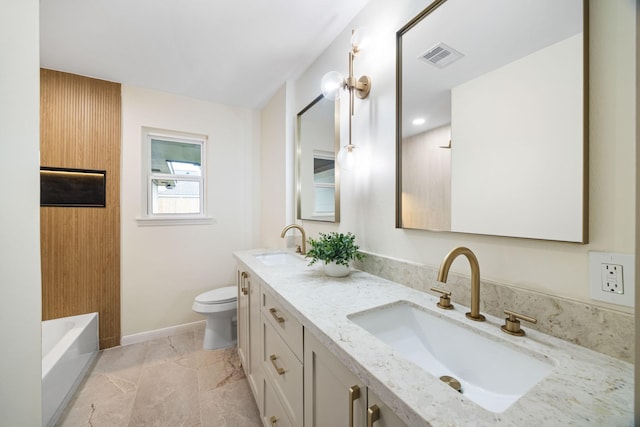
x=325, y=155
x=147, y=217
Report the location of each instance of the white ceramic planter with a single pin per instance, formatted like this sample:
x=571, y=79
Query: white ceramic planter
x=336, y=270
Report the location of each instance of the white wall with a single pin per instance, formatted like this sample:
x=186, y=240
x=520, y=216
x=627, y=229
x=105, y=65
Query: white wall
x=273, y=171
x=165, y=267
x=536, y=186
x=20, y=292
x=368, y=195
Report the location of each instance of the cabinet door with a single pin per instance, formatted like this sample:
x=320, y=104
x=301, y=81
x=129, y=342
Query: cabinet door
x=250, y=330
x=379, y=414
x=243, y=318
x=254, y=376
x=333, y=396
x=274, y=414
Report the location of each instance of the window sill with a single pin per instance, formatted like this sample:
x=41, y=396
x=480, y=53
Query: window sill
x=175, y=220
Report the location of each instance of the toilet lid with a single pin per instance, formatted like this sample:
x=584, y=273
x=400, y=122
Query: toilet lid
x=218, y=296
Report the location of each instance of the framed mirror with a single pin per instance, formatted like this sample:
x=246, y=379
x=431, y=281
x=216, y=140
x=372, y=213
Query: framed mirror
x=492, y=119
x=317, y=176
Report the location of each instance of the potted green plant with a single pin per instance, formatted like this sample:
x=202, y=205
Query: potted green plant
x=336, y=250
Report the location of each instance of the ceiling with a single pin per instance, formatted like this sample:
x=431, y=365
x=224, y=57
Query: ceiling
x=233, y=52
x=489, y=34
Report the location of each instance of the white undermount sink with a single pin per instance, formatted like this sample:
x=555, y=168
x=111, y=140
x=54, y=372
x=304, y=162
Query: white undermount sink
x=278, y=258
x=492, y=373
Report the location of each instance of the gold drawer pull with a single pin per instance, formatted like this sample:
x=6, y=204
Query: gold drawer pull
x=354, y=394
x=273, y=358
x=244, y=275
x=373, y=415
x=273, y=312
x=273, y=420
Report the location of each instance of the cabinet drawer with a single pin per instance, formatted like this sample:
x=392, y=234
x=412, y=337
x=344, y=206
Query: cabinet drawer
x=285, y=372
x=274, y=414
x=283, y=322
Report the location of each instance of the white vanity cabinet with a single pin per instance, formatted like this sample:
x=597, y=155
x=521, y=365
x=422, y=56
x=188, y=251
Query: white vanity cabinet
x=295, y=380
x=333, y=396
x=282, y=355
x=249, y=330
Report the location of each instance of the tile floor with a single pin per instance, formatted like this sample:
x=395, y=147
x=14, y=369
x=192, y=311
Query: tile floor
x=165, y=382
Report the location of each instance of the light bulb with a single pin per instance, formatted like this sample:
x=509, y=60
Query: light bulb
x=348, y=157
x=331, y=85
x=361, y=38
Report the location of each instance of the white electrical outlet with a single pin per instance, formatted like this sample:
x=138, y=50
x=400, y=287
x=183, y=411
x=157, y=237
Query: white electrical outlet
x=612, y=279
x=608, y=274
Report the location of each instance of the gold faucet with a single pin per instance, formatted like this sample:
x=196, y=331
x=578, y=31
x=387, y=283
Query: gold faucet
x=474, y=314
x=301, y=250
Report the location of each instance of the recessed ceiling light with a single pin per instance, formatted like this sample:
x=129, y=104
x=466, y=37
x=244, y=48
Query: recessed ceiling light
x=418, y=121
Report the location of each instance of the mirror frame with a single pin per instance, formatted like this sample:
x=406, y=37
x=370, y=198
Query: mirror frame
x=585, y=124
x=298, y=161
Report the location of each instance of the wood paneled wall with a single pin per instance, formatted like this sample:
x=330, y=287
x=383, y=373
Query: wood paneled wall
x=80, y=127
x=426, y=180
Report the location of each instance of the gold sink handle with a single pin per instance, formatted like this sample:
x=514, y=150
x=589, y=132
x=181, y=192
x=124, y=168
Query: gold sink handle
x=512, y=324
x=445, y=299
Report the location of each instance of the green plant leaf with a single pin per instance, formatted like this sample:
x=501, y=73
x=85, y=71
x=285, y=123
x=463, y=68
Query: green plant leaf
x=334, y=247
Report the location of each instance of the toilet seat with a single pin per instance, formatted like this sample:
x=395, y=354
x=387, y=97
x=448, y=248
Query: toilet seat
x=218, y=296
x=217, y=300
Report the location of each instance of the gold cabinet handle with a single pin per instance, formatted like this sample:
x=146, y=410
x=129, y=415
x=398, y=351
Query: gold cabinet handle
x=354, y=394
x=273, y=358
x=244, y=275
x=512, y=324
x=273, y=420
x=274, y=312
x=373, y=415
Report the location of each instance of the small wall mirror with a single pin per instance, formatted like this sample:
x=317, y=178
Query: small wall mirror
x=317, y=177
x=491, y=113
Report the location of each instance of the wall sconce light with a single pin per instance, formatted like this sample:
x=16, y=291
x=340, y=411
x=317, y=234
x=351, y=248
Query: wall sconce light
x=333, y=83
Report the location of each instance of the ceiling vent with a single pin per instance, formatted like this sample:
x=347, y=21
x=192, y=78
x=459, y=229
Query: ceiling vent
x=440, y=55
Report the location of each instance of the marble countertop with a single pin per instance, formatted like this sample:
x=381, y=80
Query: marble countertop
x=584, y=388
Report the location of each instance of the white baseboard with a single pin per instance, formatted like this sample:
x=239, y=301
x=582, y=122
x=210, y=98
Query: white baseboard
x=161, y=333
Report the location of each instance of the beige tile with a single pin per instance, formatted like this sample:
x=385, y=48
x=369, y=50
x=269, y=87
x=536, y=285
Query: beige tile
x=101, y=401
x=165, y=382
x=167, y=396
x=124, y=363
x=229, y=406
x=178, y=348
x=222, y=367
x=210, y=357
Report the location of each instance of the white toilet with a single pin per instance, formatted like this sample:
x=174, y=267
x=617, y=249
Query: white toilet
x=220, y=307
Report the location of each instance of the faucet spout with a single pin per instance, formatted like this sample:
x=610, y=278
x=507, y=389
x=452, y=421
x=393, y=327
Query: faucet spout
x=303, y=248
x=443, y=273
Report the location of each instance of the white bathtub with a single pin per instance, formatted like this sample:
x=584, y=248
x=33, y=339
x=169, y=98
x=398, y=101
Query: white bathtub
x=69, y=346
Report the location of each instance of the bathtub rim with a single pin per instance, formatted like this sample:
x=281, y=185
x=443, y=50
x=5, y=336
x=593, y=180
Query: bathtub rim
x=81, y=322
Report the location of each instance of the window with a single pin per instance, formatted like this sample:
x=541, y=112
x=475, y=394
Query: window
x=324, y=183
x=174, y=176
